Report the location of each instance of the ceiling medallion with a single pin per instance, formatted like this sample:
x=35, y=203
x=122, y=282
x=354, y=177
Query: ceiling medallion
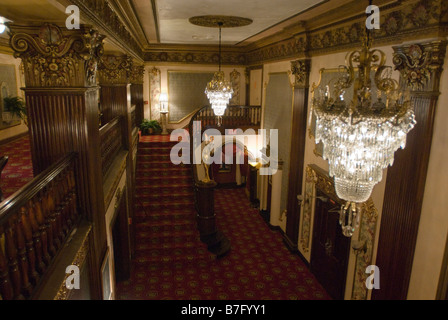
x=213, y=21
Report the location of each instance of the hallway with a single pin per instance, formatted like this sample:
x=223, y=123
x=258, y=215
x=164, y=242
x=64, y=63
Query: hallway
x=258, y=267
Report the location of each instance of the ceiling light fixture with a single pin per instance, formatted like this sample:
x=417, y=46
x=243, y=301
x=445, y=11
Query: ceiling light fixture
x=362, y=119
x=219, y=91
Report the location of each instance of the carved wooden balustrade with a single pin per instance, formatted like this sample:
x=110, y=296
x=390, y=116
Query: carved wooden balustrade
x=111, y=142
x=35, y=223
x=234, y=117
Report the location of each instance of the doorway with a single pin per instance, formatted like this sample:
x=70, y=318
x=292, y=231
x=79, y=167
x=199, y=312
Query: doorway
x=330, y=248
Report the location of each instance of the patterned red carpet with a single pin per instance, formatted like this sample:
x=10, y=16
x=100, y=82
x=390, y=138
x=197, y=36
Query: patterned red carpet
x=171, y=262
x=19, y=170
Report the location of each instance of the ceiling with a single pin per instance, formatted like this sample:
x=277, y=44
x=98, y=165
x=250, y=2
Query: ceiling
x=174, y=26
x=166, y=22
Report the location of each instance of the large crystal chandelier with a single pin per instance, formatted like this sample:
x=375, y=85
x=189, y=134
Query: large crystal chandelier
x=219, y=91
x=361, y=133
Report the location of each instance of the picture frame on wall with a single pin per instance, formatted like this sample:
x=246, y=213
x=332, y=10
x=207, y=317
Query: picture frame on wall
x=106, y=276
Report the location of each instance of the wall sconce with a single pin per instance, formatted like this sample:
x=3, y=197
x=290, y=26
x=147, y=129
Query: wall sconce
x=163, y=100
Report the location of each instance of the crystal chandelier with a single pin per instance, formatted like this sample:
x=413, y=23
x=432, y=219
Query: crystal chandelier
x=219, y=91
x=361, y=133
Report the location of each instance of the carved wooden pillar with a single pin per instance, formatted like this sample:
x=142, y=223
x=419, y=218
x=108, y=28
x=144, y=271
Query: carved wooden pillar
x=62, y=100
x=421, y=67
x=301, y=71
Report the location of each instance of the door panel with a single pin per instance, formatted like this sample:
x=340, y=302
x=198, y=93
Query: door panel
x=330, y=249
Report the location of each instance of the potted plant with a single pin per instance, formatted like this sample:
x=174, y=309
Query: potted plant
x=150, y=127
x=16, y=107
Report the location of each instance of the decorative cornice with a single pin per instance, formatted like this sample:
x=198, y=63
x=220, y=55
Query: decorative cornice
x=101, y=14
x=57, y=57
x=421, y=64
x=113, y=70
x=419, y=19
x=301, y=69
x=196, y=56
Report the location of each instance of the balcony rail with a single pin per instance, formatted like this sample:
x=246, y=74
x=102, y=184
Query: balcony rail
x=35, y=223
x=111, y=142
x=234, y=117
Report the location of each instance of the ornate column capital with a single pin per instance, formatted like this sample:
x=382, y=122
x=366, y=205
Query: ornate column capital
x=137, y=74
x=421, y=64
x=113, y=69
x=53, y=56
x=300, y=69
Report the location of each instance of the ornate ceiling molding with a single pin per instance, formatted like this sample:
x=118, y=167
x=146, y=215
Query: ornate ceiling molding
x=195, y=56
x=416, y=18
x=400, y=20
x=101, y=14
x=57, y=57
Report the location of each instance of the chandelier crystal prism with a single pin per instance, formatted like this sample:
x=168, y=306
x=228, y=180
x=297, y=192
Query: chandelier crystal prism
x=219, y=91
x=361, y=133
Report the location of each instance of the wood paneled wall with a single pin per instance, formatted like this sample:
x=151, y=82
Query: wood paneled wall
x=420, y=66
x=137, y=100
x=300, y=70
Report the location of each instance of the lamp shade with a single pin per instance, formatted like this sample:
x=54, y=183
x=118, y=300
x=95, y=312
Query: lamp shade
x=163, y=100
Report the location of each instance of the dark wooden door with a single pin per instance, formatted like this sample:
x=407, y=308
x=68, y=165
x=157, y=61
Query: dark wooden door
x=330, y=249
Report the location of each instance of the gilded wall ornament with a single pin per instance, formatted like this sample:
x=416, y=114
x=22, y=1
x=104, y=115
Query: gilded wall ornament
x=300, y=69
x=418, y=62
x=137, y=74
x=115, y=69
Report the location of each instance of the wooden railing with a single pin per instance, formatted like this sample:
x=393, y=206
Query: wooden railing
x=111, y=142
x=35, y=223
x=234, y=117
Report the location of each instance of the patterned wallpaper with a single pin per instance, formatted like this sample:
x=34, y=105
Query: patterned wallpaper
x=186, y=93
x=278, y=115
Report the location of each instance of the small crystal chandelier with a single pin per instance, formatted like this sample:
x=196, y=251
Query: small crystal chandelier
x=361, y=133
x=219, y=91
